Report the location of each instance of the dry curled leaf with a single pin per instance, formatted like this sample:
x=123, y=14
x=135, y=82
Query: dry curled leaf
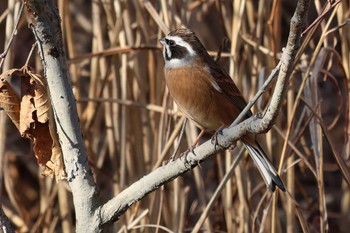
x=27, y=116
x=41, y=101
x=42, y=142
x=55, y=166
x=9, y=100
x=30, y=112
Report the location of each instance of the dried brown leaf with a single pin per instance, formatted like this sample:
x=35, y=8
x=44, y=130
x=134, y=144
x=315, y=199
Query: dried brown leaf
x=30, y=113
x=42, y=142
x=9, y=100
x=27, y=107
x=46, y=150
x=41, y=102
x=55, y=166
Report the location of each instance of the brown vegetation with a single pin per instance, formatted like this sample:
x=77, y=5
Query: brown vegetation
x=130, y=124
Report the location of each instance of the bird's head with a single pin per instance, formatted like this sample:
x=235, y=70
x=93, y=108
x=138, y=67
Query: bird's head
x=180, y=48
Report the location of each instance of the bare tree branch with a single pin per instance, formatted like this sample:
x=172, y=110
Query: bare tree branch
x=45, y=22
x=287, y=61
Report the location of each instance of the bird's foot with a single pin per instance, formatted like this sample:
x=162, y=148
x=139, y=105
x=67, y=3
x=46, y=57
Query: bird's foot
x=173, y=157
x=189, y=150
x=185, y=154
x=232, y=146
x=258, y=115
x=215, y=141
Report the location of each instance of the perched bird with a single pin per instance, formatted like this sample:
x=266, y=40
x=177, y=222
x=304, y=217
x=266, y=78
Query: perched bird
x=207, y=95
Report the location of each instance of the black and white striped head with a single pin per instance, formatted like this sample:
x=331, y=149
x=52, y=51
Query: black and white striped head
x=180, y=47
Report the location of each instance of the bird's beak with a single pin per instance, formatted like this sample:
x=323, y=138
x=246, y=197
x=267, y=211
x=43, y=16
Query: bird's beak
x=162, y=41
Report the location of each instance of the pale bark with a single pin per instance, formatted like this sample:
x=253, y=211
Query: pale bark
x=45, y=22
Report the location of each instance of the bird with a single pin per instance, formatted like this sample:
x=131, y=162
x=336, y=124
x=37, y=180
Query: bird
x=206, y=94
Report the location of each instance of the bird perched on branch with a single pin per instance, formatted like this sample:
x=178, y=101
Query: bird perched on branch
x=207, y=95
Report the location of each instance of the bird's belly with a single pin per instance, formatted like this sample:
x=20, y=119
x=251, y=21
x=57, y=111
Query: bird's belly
x=197, y=100
x=202, y=114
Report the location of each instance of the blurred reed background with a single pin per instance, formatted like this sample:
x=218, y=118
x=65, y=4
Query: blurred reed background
x=130, y=123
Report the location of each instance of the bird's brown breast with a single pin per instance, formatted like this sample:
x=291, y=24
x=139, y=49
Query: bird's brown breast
x=192, y=89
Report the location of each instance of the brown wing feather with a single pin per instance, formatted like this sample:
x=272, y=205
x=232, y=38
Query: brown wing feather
x=227, y=86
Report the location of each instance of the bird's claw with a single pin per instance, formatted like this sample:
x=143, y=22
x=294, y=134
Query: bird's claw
x=185, y=154
x=172, y=158
x=232, y=146
x=258, y=115
x=189, y=150
x=214, y=140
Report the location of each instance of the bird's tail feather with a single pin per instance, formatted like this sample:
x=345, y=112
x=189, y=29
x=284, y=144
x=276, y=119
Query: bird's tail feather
x=266, y=169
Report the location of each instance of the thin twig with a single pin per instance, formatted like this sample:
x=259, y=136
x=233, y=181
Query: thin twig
x=321, y=16
x=261, y=91
x=179, y=140
x=30, y=54
x=14, y=33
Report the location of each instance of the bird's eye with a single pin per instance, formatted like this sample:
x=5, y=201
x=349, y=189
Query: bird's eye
x=171, y=43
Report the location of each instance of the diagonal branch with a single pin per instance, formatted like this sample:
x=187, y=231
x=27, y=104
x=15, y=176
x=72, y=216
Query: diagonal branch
x=287, y=61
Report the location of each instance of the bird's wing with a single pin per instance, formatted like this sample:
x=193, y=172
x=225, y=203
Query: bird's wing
x=227, y=87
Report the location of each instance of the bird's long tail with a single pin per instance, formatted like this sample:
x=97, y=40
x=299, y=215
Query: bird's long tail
x=266, y=169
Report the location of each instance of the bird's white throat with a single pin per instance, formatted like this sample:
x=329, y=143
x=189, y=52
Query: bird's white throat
x=178, y=63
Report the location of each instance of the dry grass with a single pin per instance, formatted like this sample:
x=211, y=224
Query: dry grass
x=130, y=124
